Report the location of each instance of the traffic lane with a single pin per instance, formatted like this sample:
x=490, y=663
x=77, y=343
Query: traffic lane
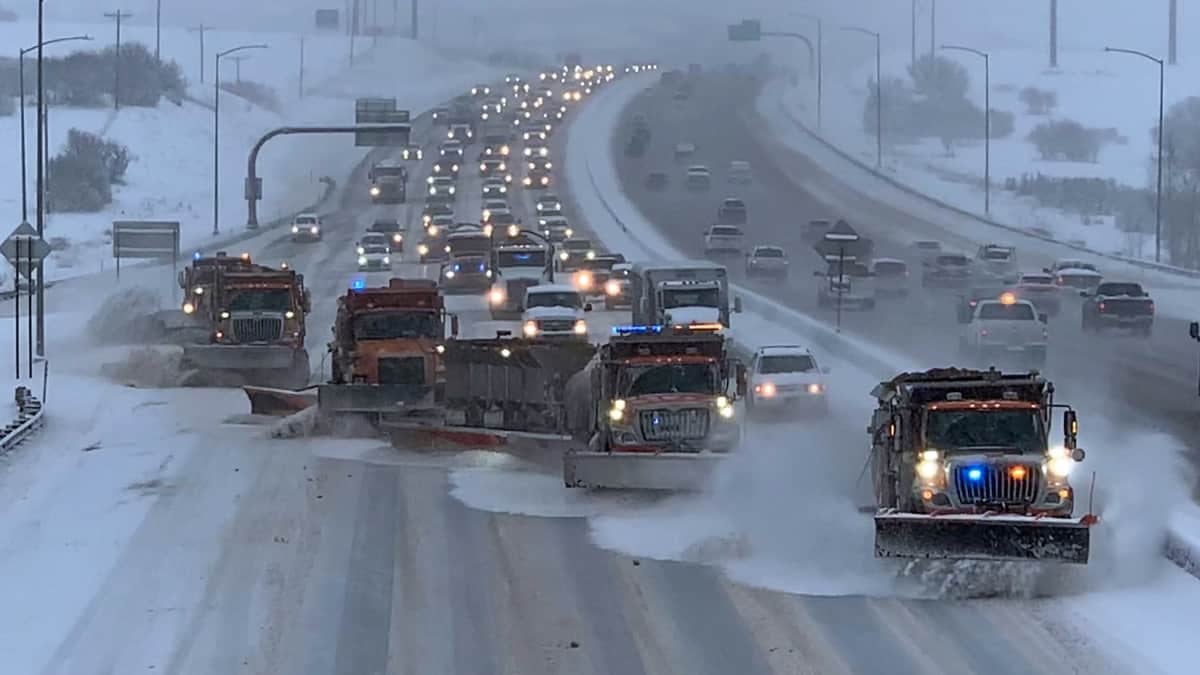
x=929, y=315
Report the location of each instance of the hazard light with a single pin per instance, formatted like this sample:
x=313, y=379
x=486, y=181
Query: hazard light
x=637, y=330
x=1008, y=298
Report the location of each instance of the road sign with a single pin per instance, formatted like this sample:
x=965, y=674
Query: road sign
x=145, y=239
x=842, y=242
x=24, y=246
x=327, y=19
x=749, y=30
x=380, y=111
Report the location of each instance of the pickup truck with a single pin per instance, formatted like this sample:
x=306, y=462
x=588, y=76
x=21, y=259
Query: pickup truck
x=1124, y=305
x=1040, y=289
x=1004, y=330
x=732, y=211
x=723, y=239
x=998, y=262
x=947, y=270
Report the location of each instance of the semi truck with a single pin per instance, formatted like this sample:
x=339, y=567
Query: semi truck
x=389, y=183
x=386, y=352
x=964, y=466
x=256, y=329
x=654, y=408
x=681, y=293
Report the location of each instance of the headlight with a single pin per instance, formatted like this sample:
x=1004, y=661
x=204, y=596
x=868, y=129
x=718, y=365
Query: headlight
x=433, y=230
x=289, y=314
x=387, y=260
x=544, y=152
x=314, y=229
x=766, y=389
x=199, y=290
x=617, y=412
x=295, y=229
x=454, y=168
x=449, y=274
x=429, y=179
x=726, y=412
x=224, y=314
x=360, y=250
x=1060, y=464
x=528, y=152
x=504, y=151
x=451, y=189
x=482, y=166
x=583, y=280
x=545, y=180
x=397, y=238
x=188, y=308
x=580, y=327
x=422, y=249
x=591, y=255
x=432, y=191
x=486, y=216
x=569, y=233
x=530, y=329
x=496, y=296
x=487, y=229
x=503, y=166
x=929, y=469
x=612, y=287
x=488, y=273
x=549, y=166
x=362, y=260
x=527, y=181
x=513, y=230
x=722, y=402
x=815, y=388
x=563, y=255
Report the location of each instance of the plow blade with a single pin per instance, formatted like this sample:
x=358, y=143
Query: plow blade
x=374, y=398
x=278, y=402
x=980, y=537
x=239, y=357
x=463, y=437
x=678, y=471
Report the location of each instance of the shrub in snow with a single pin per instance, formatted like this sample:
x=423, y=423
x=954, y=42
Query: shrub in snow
x=84, y=78
x=1038, y=101
x=82, y=176
x=1066, y=140
x=1002, y=124
x=937, y=77
x=897, y=108
x=257, y=93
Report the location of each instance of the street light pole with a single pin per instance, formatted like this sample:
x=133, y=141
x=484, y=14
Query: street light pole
x=878, y=92
x=820, y=63
x=21, y=87
x=1159, y=189
x=118, y=15
x=200, y=29
x=158, y=31
x=987, y=122
x=217, y=131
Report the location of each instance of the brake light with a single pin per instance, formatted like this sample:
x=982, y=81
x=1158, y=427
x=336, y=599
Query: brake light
x=1102, y=307
x=1151, y=306
x=983, y=332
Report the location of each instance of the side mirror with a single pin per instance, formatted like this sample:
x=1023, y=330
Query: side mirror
x=307, y=301
x=1047, y=270
x=182, y=280
x=1084, y=294
x=737, y=305
x=454, y=325
x=741, y=380
x=1194, y=330
x=1070, y=429
x=1044, y=318
x=587, y=307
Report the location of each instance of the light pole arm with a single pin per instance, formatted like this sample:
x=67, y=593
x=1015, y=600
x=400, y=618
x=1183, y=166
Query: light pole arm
x=55, y=41
x=1134, y=52
x=227, y=52
x=960, y=48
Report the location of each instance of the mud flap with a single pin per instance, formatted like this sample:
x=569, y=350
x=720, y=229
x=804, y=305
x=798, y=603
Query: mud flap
x=278, y=402
x=981, y=537
x=239, y=357
x=677, y=471
x=374, y=398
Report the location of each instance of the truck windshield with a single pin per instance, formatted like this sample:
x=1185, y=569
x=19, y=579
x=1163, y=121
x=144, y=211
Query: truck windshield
x=260, y=300
x=690, y=297
x=996, y=311
x=675, y=378
x=521, y=259
x=968, y=430
x=564, y=299
x=793, y=363
x=393, y=171
x=462, y=245
x=393, y=325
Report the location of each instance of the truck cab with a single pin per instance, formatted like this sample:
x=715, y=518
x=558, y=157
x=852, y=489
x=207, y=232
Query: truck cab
x=1006, y=329
x=690, y=292
x=554, y=311
x=199, y=279
x=306, y=227
x=518, y=267
x=468, y=266
x=389, y=183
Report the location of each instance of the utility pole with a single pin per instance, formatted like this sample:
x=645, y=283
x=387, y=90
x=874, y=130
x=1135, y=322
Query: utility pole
x=932, y=27
x=237, y=67
x=200, y=29
x=1172, y=41
x=1053, y=33
x=415, y=13
x=118, y=15
x=913, y=56
x=158, y=31
x=301, y=66
x=41, y=188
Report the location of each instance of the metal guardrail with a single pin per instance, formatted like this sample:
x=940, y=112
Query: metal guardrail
x=933, y=201
x=30, y=415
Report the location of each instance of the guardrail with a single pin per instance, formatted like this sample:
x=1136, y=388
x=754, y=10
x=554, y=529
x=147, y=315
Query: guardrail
x=30, y=414
x=933, y=201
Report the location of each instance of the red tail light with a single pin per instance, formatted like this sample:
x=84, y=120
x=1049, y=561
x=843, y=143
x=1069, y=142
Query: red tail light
x=1102, y=307
x=1151, y=306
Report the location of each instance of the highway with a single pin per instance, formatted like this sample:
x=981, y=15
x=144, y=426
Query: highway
x=347, y=556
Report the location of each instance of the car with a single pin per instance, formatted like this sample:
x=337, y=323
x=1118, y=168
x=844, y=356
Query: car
x=891, y=276
x=496, y=186
x=435, y=208
x=539, y=164
x=441, y=222
x=374, y=252
x=537, y=179
x=593, y=273
x=656, y=181
x=548, y=201
x=946, y=270
x=573, y=250
x=854, y=288
x=997, y=261
x=411, y=153
x=786, y=379
x=926, y=248
x=493, y=209
x=732, y=211
x=767, y=261
x=1070, y=264
x=495, y=145
x=445, y=166
x=1078, y=278
x=512, y=78
x=739, y=173
x=441, y=188
x=684, y=150
x=985, y=289
x=481, y=90
x=390, y=228
x=461, y=130
x=533, y=131
x=1040, y=289
x=306, y=227
x=555, y=228
x=536, y=148
x=495, y=166
x=452, y=150
x=1123, y=305
x=698, y=178
x=554, y=311
x=724, y=239
x=1005, y=332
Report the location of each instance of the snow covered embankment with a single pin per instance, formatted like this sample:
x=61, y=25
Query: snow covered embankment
x=614, y=219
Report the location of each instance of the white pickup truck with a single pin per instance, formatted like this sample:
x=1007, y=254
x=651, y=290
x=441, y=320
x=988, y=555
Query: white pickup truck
x=723, y=239
x=554, y=311
x=1006, y=330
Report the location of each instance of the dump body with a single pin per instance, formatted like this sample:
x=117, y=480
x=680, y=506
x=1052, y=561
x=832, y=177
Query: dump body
x=384, y=354
x=681, y=293
x=652, y=395
x=963, y=468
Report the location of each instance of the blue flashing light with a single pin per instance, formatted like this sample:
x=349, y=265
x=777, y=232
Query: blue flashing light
x=637, y=330
x=482, y=267
x=196, y=255
x=358, y=284
x=522, y=256
x=457, y=267
x=975, y=474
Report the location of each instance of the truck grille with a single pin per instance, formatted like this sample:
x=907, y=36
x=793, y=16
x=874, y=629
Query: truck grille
x=402, y=370
x=674, y=425
x=258, y=329
x=557, y=325
x=995, y=485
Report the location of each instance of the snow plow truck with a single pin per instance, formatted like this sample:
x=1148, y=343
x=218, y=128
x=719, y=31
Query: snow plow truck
x=190, y=323
x=655, y=408
x=964, y=467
